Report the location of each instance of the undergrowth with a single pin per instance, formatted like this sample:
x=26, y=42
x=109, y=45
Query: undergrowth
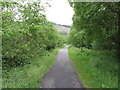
x=29, y=75
x=97, y=69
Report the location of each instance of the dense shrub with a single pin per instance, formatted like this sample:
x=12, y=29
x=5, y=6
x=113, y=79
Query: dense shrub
x=96, y=25
x=27, y=36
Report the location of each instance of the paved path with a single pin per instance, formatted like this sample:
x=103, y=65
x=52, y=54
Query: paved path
x=62, y=74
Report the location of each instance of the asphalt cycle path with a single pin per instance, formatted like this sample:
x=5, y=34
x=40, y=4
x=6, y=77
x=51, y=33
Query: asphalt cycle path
x=62, y=73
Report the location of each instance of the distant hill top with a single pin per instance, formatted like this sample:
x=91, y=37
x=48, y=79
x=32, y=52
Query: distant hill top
x=68, y=26
x=63, y=29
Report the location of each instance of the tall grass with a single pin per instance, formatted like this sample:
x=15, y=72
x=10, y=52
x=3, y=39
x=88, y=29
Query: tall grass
x=29, y=75
x=97, y=69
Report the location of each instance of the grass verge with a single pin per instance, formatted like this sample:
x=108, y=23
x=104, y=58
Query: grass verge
x=30, y=75
x=97, y=69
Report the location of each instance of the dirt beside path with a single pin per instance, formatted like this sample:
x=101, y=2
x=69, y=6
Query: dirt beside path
x=62, y=74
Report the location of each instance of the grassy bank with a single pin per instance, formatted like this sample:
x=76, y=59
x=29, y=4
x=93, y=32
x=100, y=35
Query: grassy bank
x=30, y=75
x=97, y=69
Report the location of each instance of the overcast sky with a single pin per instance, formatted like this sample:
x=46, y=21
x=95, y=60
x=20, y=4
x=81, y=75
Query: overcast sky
x=60, y=12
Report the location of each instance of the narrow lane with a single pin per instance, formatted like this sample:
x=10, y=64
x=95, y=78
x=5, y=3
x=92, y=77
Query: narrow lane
x=62, y=74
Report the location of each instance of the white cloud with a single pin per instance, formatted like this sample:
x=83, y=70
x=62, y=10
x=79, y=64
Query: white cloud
x=60, y=12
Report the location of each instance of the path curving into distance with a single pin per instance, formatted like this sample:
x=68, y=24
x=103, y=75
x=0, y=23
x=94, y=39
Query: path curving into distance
x=62, y=74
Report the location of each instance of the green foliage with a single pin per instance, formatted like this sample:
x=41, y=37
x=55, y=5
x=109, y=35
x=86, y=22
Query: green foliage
x=28, y=36
x=97, y=69
x=95, y=25
x=29, y=75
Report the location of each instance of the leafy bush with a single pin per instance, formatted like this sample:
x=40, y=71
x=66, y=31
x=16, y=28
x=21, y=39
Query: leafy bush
x=28, y=36
x=95, y=26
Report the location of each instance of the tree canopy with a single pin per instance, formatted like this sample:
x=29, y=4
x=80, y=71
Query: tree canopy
x=96, y=25
x=26, y=32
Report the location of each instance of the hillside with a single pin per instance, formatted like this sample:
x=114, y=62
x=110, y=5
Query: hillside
x=63, y=29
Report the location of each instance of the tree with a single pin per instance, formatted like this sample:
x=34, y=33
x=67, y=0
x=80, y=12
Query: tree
x=95, y=25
